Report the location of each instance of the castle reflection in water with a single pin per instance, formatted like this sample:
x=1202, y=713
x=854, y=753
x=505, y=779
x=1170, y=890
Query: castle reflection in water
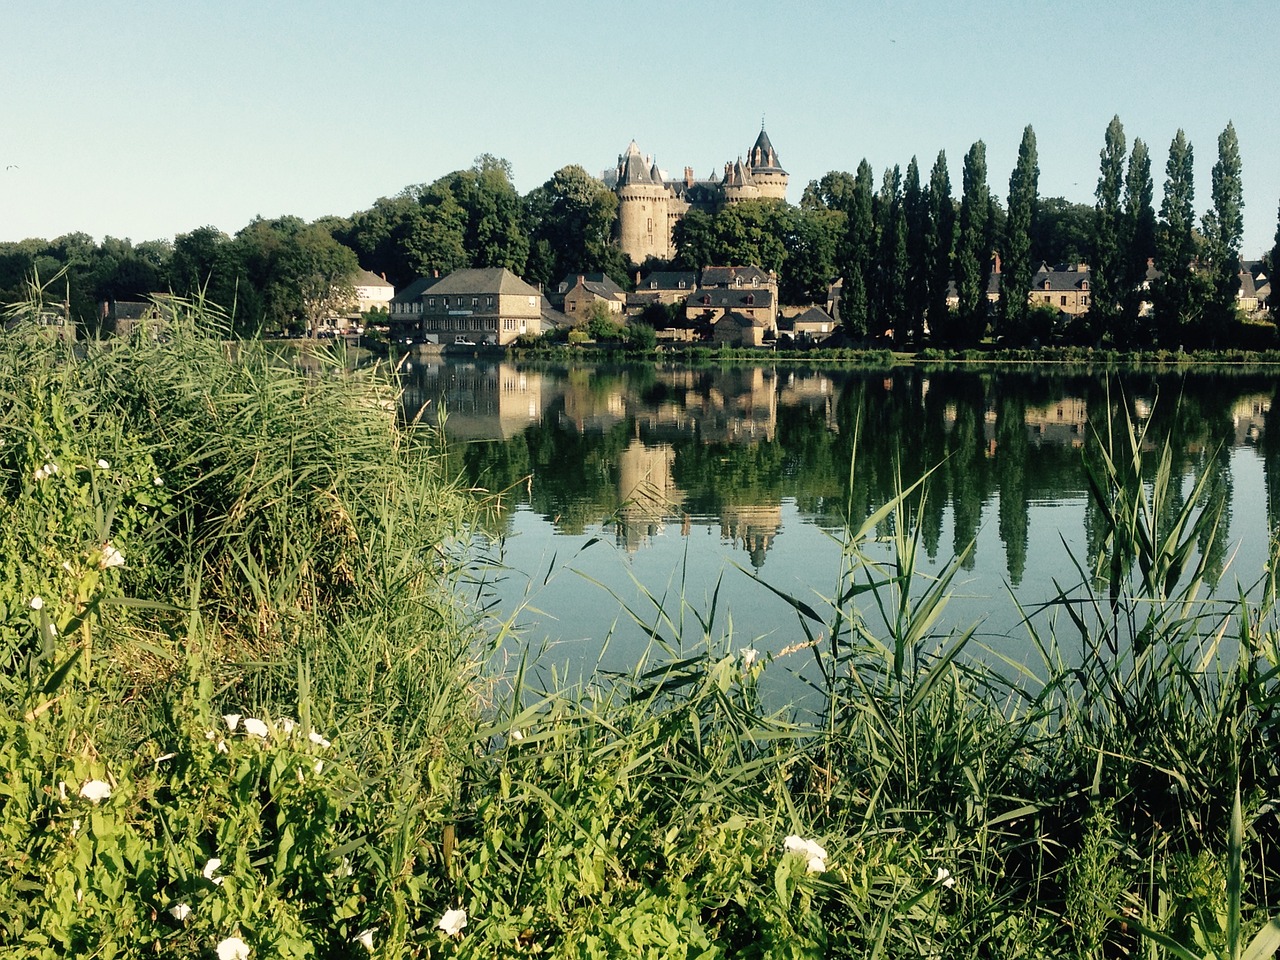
x=653, y=450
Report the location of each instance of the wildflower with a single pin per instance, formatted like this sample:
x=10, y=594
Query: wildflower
x=287, y=725
x=749, y=656
x=50, y=469
x=232, y=721
x=365, y=939
x=103, y=465
x=517, y=734
x=96, y=790
x=75, y=826
x=53, y=629
x=255, y=727
x=37, y=603
x=945, y=878
x=210, y=869
x=111, y=557
x=62, y=790
x=179, y=911
x=815, y=856
x=452, y=922
x=317, y=739
x=318, y=767
x=232, y=948
x=222, y=747
x=157, y=481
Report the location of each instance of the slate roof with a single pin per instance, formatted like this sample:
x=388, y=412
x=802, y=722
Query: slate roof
x=479, y=281
x=732, y=298
x=601, y=284
x=724, y=276
x=1059, y=281
x=632, y=166
x=367, y=278
x=415, y=290
x=660, y=280
x=740, y=319
x=812, y=315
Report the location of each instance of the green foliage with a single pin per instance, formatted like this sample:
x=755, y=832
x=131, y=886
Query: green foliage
x=1023, y=195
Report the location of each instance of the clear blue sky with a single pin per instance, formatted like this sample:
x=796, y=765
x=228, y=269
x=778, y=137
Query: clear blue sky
x=148, y=119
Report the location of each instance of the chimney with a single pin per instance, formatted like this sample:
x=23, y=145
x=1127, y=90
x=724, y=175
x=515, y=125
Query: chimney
x=688, y=176
x=995, y=261
x=637, y=278
x=435, y=271
x=581, y=279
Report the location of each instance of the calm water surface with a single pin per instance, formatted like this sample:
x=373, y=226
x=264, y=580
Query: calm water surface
x=615, y=485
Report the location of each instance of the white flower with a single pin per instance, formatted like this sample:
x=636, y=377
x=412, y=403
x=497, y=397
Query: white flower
x=53, y=629
x=39, y=474
x=179, y=911
x=103, y=465
x=232, y=948
x=319, y=766
x=517, y=734
x=96, y=790
x=317, y=739
x=815, y=855
x=210, y=869
x=232, y=721
x=111, y=557
x=222, y=747
x=62, y=790
x=945, y=878
x=452, y=922
x=50, y=469
x=255, y=727
x=75, y=826
x=365, y=939
x=157, y=481
x=287, y=726
x=37, y=603
x=749, y=656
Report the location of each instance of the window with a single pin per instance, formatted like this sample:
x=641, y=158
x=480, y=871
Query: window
x=431, y=302
x=682, y=284
x=1064, y=299
x=475, y=301
x=488, y=301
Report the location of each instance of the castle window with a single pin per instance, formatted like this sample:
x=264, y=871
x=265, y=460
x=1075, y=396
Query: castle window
x=682, y=284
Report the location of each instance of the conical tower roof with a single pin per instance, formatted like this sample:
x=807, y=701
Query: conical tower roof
x=763, y=156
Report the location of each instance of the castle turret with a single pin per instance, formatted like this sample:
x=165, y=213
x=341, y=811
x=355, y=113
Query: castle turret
x=766, y=170
x=644, y=228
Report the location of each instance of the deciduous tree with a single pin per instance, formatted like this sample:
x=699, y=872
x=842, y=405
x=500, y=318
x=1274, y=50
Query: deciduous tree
x=938, y=243
x=1223, y=229
x=1108, y=255
x=972, y=248
x=1016, y=281
x=1178, y=313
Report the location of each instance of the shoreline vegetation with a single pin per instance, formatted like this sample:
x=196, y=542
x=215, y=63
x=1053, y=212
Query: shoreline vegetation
x=252, y=707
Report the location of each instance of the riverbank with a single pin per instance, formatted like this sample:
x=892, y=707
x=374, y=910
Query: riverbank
x=246, y=698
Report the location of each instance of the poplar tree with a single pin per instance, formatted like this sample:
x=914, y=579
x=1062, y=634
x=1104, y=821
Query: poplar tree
x=1109, y=224
x=1139, y=239
x=1015, y=286
x=853, y=304
x=972, y=250
x=1223, y=228
x=1175, y=244
x=887, y=282
x=915, y=204
x=1275, y=267
x=938, y=243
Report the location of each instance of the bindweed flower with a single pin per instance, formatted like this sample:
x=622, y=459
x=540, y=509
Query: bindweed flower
x=255, y=727
x=232, y=948
x=96, y=790
x=365, y=939
x=103, y=465
x=286, y=726
x=452, y=922
x=210, y=869
x=111, y=557
x=317, y=739
x=814, y=855
x=37, y=603
x=232, y=720
x=749, y=656
x=318, y=767
x=75, y=826
x=945, y=878
x=179, y=911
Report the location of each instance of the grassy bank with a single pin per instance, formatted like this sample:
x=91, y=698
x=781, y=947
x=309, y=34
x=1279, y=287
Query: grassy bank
x=243, y=708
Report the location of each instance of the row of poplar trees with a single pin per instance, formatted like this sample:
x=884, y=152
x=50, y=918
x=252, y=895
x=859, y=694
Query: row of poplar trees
x=1156, y=280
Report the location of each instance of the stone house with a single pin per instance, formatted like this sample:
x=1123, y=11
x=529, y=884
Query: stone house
x=739, y=330
x=589, y=289
x=484, y=305
x=1066, y=289
x=709, y=305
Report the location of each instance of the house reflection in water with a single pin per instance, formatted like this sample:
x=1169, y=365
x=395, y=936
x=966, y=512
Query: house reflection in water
x=480, y=401
x=647, y=492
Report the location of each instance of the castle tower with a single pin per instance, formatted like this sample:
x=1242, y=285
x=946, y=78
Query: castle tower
x=644, y=228
x=766, y=171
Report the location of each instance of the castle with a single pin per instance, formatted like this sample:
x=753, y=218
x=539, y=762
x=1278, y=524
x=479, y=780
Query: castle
x=649, y=205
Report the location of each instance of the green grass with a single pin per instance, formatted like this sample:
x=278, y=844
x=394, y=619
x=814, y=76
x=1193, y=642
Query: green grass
x=304, y=559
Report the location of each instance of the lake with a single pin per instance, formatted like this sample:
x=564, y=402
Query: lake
x=616, y=489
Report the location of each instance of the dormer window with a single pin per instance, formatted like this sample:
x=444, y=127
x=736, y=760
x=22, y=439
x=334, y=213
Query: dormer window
x=1046, y=285
x=1084, y=285
x=653, y=284
x=706, y=299
x=737, y=281
x=683, y=284
x=751, y=299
